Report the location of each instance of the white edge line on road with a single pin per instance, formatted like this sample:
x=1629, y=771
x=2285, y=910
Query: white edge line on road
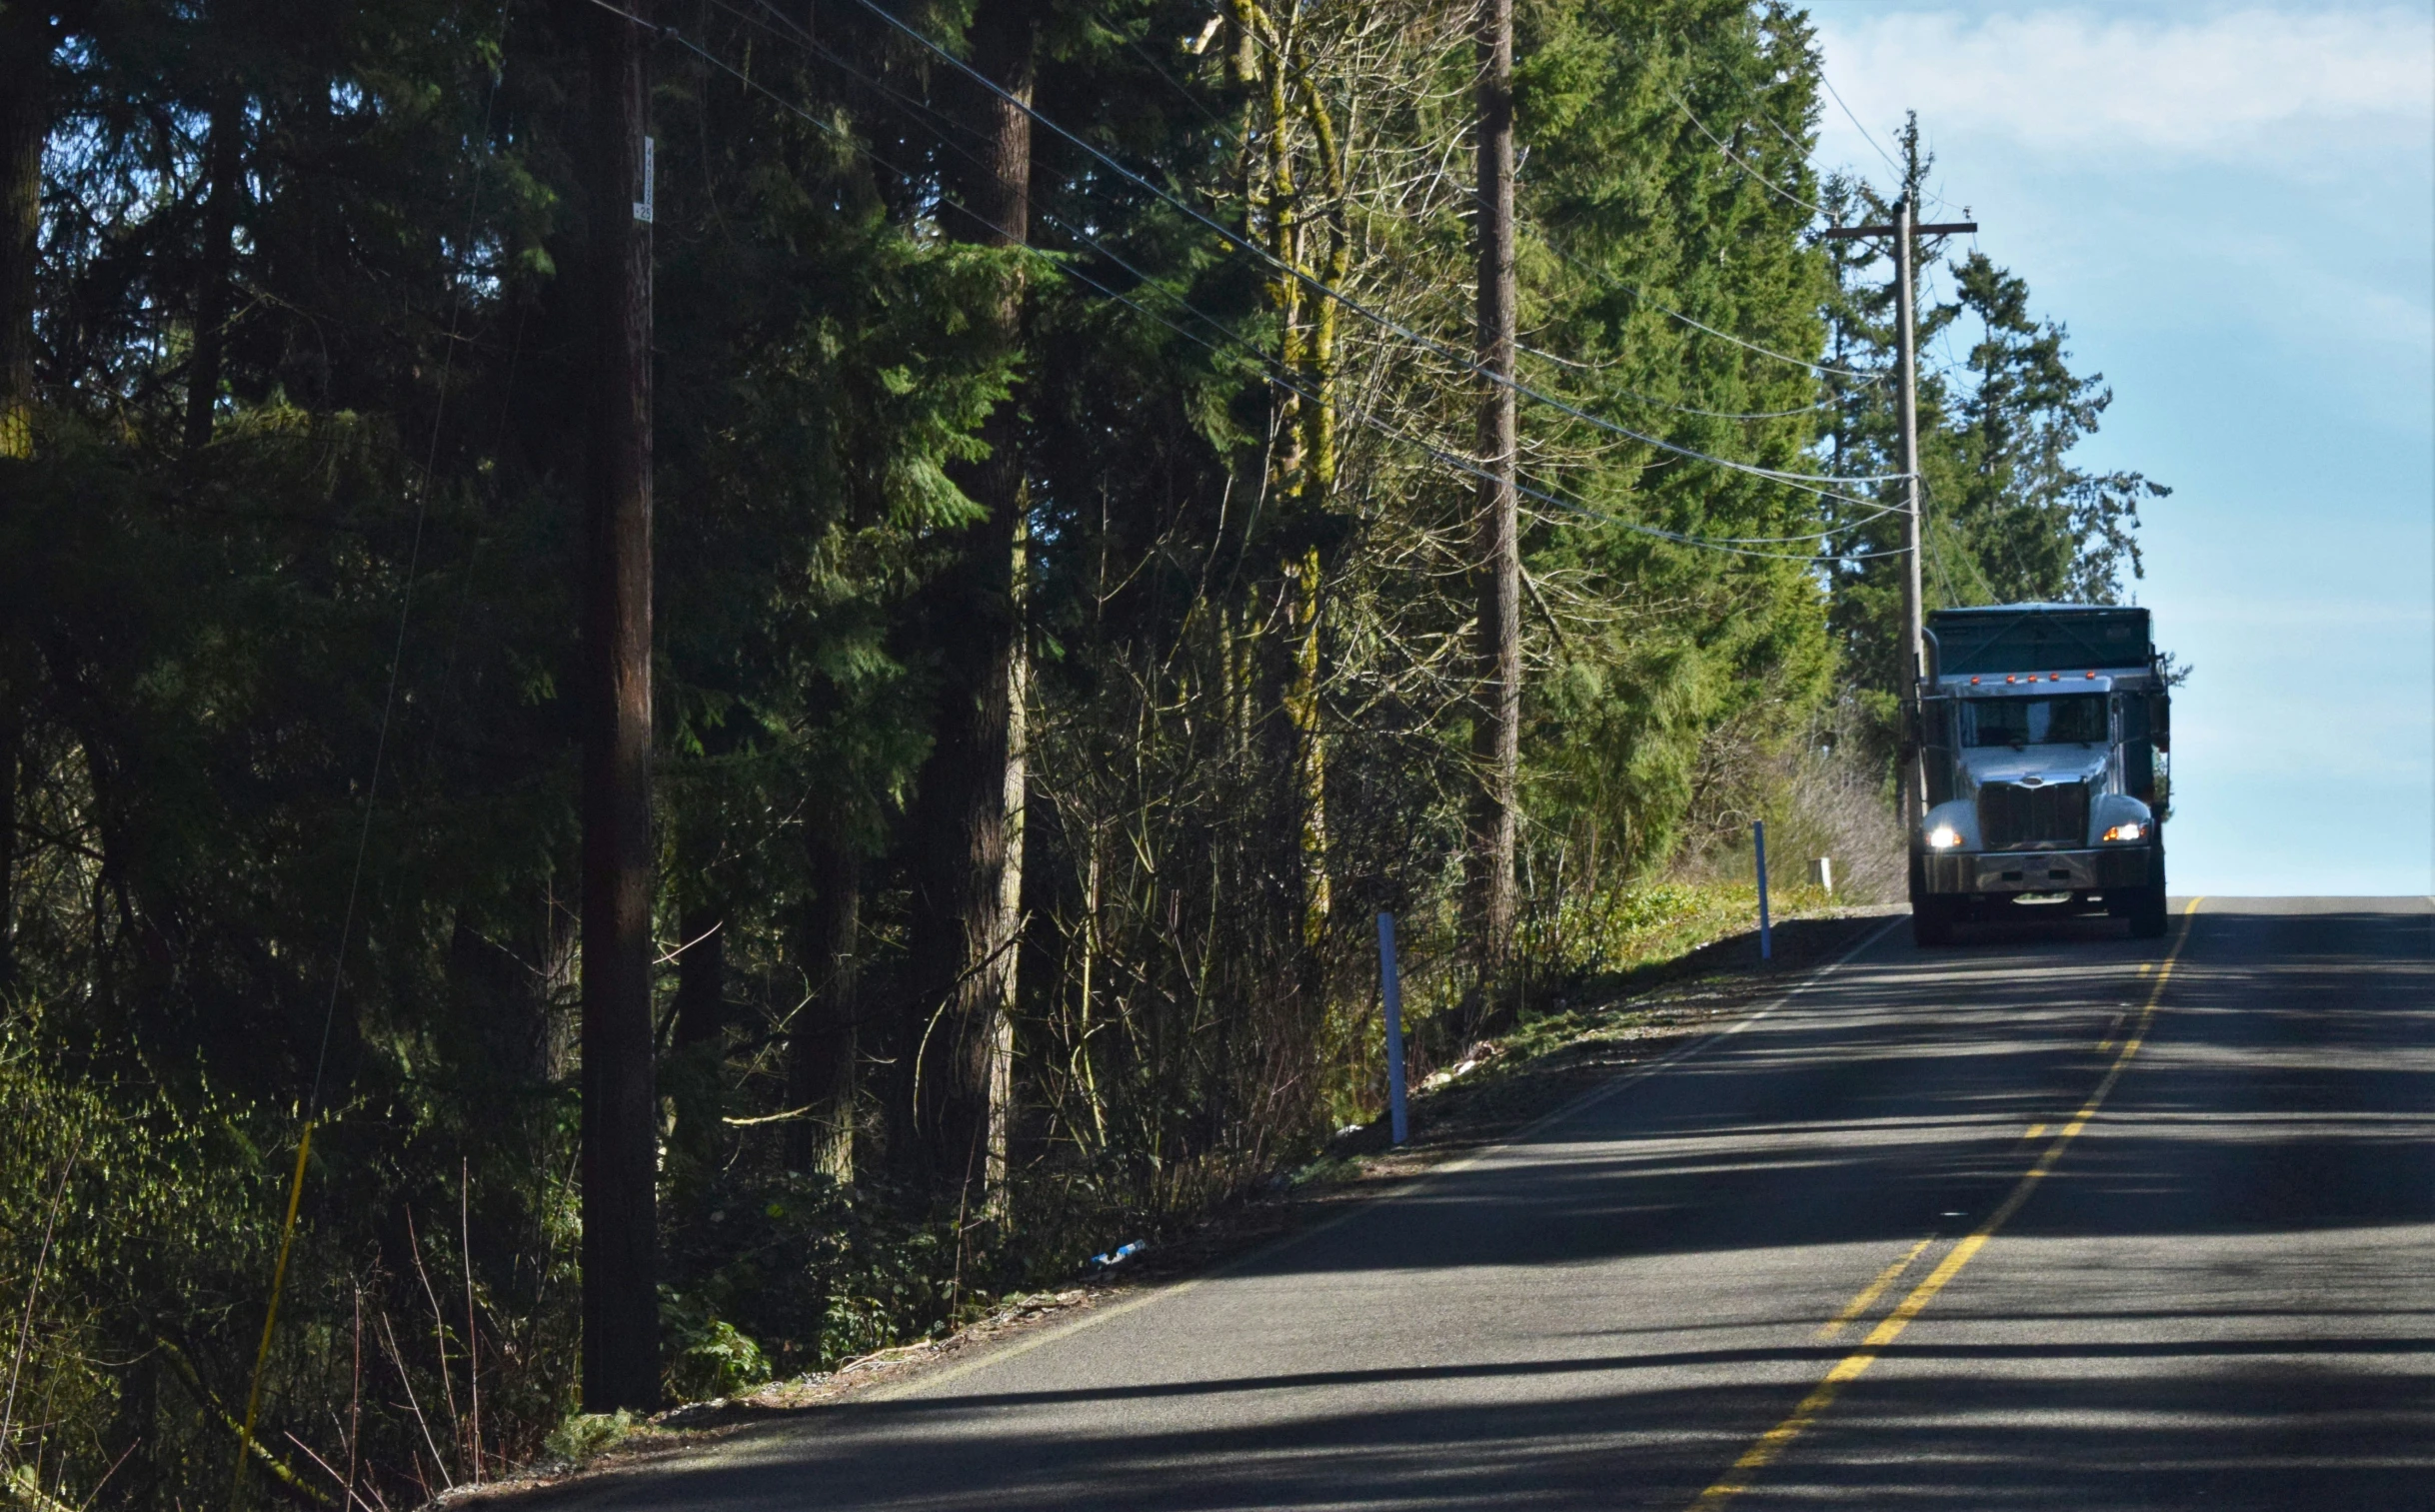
x=1578, y=1105
x=1601, y=1093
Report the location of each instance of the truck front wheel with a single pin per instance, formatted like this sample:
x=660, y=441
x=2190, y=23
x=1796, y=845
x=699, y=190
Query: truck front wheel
x=1932, y=921
x=1931, y=916
x=2147, y=904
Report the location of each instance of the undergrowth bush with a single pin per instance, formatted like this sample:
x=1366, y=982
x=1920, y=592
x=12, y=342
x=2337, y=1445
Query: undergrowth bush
x=784, y=1273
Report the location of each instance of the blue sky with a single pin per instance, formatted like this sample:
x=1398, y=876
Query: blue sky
x=2233, y=210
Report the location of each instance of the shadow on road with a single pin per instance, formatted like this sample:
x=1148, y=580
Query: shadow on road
x=1880, y=1112
x=2216, y=1298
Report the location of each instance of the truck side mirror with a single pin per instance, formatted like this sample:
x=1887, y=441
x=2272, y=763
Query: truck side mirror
x=2161, y=723
x=1935, y=744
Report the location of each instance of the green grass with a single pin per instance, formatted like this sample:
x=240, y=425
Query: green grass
x=585, y=1436
x=1627, y=931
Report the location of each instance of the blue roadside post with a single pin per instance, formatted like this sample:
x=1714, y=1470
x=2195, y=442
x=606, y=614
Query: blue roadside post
x=1390, y=987
x=1758, y=842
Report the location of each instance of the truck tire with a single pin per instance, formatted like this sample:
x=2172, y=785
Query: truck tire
x=2147, y=907
x=1932, y=922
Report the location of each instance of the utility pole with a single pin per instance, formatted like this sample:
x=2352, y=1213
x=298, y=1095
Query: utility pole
x=1914, y=612
x=1905, y=232
x=1496, y=733
x=621, y=1348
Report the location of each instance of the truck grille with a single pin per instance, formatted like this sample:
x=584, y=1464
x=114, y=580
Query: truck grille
x=2011, y=816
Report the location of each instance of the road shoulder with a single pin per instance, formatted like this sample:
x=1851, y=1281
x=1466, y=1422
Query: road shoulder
x=1616, y=1033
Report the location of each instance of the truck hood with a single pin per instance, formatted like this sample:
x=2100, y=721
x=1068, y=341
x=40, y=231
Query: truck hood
x=2045, y=763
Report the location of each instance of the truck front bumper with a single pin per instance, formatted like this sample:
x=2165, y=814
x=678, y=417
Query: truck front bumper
x=2000, y=871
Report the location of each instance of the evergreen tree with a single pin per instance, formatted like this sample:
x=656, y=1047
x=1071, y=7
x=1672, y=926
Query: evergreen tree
x=1062, y=534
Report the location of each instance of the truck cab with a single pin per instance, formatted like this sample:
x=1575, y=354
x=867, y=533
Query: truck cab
x=2043, y=733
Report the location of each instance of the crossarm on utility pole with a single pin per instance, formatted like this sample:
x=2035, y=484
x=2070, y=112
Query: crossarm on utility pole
x=1850, y=233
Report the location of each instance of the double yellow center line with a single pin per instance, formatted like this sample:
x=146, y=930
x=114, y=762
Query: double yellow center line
x=1775, y=1440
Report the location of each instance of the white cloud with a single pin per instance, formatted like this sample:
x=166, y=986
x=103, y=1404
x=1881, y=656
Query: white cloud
x=2225, y=85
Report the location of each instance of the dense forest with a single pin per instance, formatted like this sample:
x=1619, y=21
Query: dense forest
x=1065, y=518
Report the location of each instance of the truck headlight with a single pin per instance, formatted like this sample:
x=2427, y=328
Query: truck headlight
x=2130, y=831
x=1943, y=837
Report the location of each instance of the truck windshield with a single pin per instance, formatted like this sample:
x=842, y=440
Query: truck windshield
x=2034, y=721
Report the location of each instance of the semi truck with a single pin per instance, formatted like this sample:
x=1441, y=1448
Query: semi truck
x=2042, y=736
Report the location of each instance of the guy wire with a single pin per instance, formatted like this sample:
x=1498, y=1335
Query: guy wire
x=362, y=838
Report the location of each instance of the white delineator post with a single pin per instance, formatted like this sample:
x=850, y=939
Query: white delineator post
x=1758, y=843
x=1390, y=988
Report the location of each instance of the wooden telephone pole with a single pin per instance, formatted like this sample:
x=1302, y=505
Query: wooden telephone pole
x=1497, y=730
x=1905, y=232
x=621, y=1341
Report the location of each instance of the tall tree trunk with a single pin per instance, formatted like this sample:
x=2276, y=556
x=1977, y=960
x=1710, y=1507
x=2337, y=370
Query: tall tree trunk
x=969, y=810
x=1496, y=737
x=1316, y=488
x=621, y=1364
x=25, y=65
x=25, y=71
x=823, y=1046
x=224, y=169
x=1302, y=462
x=1303, y=713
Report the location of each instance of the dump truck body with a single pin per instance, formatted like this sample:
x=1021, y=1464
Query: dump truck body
x=2041, y=740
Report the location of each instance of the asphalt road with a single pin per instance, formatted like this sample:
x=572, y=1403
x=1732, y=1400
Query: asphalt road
x=2169, y=1243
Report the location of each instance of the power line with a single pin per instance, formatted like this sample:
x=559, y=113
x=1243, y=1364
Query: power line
x=1807, y=482
x=1146, y=280
x=1231, y=135
x=1639, y=294
x=1322, y=287
x=1870, y=136
x=1282, y=378
x=1806, y=149
x=1795, y=143
x=1899, y=175
x=1662, y=404
x=1731, y=546
x=1744, y=163
x=1823, y=369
